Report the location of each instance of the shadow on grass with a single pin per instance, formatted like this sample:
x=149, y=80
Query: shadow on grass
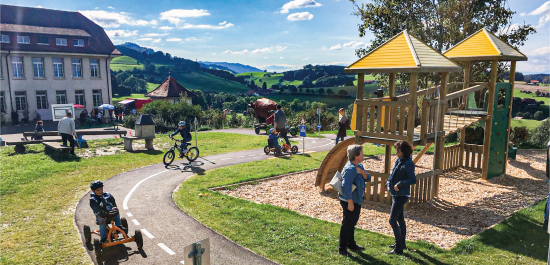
x=148, y=152
x=362, y=258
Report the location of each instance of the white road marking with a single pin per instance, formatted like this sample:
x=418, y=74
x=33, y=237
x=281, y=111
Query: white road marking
x=127, y=198
x=149, y=235
x=163, y=246
x=129, y=214
x=239, y=156
x=226, y=158
x=251, y=155
x=182, y=262
x=135, y=221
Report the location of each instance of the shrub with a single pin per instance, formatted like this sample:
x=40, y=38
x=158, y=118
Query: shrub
x=519, y=114
x=541, y=135
x=519, y=136
x=166, y=115
x=527, y=115
x=538, y=115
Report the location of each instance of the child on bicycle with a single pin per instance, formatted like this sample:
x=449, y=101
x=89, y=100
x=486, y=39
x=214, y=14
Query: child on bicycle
x=185, y=134
x=274, y=137
x=103, y=204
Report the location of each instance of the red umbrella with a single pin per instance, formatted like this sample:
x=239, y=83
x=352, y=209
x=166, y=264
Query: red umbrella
x=78, y=106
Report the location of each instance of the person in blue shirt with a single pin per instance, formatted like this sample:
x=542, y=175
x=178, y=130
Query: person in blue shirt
x=274, y=137
x=185, y=134
x=353, y=173
x=399, y=184
x=102, y=203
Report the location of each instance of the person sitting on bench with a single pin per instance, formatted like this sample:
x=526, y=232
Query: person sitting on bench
x=66, y=129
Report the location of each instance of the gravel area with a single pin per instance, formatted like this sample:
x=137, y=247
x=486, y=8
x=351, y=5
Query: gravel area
x=466, y=205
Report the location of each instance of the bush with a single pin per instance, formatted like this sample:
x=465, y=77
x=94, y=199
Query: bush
x=541, y=135
x=204, y=128
x=519, y=114
x=166, y=115
x=538, y=115
x=527, y=115
x=519, y=136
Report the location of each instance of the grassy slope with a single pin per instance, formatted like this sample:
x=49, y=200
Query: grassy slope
x=206, y=81
x=530, y=124
x=38, y=194
x=124, y=60
x=288, y=237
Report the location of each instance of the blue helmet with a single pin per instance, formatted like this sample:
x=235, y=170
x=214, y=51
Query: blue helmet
x=181, y=123
x=96, y=184
x=271, y=130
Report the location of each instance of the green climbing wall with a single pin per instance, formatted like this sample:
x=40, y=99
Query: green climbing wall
x=497, y=149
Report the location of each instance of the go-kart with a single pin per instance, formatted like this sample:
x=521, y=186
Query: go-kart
x=278, y=150
x=115, y=235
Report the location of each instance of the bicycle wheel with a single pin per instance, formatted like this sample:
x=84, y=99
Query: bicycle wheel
x=192, y=154
x=169, y=157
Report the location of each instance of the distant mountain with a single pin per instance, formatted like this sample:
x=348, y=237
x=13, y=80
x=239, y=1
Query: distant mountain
x=234, y=67
x=217, y=67
x=138, y=48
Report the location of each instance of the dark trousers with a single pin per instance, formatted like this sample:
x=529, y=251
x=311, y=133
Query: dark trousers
x=347, y=237
x=69, y=137
x=283, y=133
x=339, y=138
x=397, y=221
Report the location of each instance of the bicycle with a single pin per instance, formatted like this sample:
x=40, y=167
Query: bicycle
x=192, y=153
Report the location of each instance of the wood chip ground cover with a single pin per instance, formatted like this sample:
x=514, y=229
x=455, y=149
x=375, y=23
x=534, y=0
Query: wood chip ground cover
x=466, y=205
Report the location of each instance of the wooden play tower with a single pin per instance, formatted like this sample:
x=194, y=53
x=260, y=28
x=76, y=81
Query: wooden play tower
x=424, y=117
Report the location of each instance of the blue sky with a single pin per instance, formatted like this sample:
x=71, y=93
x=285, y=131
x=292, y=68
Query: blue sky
x=276, y=35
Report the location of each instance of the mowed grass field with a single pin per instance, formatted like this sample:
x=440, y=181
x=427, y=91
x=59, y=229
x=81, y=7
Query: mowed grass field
x=125, y=63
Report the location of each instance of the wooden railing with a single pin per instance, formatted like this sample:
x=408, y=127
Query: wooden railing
x=473, y=155
x=451, y=157
x=426, y=187
x=424, y=190
x=376, y=191
x=384, y=119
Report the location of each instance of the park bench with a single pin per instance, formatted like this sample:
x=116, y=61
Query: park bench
x=20, y=145
x=55, y=148
x=129, y=139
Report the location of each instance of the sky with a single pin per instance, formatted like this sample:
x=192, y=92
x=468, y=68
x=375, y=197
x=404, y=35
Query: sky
x=275, y=35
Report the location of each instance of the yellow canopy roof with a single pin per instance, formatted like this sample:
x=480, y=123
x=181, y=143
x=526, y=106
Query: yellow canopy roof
x=483, y=46
x=403, y=53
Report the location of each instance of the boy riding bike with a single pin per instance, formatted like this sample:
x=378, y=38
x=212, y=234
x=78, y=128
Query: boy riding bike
x=185, y=134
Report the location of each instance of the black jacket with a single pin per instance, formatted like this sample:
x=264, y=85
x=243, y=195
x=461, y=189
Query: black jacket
x=184, y=134
x=99, y=203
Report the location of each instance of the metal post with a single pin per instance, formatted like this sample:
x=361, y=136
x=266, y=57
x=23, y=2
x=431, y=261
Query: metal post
x=303, y=146
x=196, y=132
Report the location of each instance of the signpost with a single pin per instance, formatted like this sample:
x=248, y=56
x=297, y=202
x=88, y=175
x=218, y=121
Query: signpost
x=196, y=133
x=197, y=253
x=319, y=124
x=303, y=135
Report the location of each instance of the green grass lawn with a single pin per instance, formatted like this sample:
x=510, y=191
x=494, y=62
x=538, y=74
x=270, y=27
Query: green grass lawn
x=121, y=98
x=124, y=60
x=532, y=95
x=151, y=86
x=38, y=194
x=530, y=124
x=287, y=237
x=125, y=67
x=206, y=81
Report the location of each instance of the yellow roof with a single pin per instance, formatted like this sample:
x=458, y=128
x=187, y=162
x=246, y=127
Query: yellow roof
x=484, y=45
x=403, y=53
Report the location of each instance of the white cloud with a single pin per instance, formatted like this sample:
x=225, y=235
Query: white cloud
x=300, y=16
x=204, y=26
x=285, y=32
x=324, y=48
x=305, y=59
x=145, y=39
x=336, y=47
x=223, y=23
x=245, y=51
x=166, y=28
x=213, y=53
x=539, y=51
x=121, y=33
x=114, y=20
x=354, y=44
x=280, y=67
x=156, y=40
x=281, y=57
x=298, y=4
x=543, y=10
x=155, y=34
x=39, y=7
x=191, y=39
x=175, y=16
x=110, y=7
x=97, y=7
x=174, y=39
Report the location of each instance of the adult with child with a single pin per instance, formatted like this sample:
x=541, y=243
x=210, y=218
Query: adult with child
x=399, y=184
x=353, y=174
x=343, y=125
x=280, y=123
x=66, y=128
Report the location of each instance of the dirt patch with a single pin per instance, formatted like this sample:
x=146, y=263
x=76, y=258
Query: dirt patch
x=466, y=205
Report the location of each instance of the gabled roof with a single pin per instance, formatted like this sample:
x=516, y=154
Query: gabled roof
x=403, y=53
x=484, y=45
x=43, y=30
x=170, y=88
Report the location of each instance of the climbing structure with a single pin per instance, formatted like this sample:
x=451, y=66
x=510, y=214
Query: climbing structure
x=437, y=111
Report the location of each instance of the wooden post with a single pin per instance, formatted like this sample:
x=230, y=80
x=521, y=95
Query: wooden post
x=467, y=70
x=489, y=120
x=391, y=87
x=359, y=111
x=440, y=144
x=412, y=107
x=510, y=102
x=391, y=93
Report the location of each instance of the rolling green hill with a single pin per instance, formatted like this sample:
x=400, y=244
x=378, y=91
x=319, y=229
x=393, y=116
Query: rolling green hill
x=125, y=63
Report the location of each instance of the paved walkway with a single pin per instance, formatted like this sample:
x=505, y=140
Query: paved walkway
x=144, y=197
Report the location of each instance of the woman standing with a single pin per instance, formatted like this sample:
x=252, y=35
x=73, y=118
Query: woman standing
x=343, y=125
x=353, y=173
x=399, y=183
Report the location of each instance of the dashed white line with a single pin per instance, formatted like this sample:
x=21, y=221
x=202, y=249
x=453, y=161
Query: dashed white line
x=149, y=235
x=168, y=250
x=182, y=262
x=127, y=198
x=135, y=221
x=129, y=214
x=251, y=155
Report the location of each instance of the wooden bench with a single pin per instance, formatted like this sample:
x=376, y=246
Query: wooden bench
x=129, y=139
x=56, y=148
x=78, y=132
x=20, y=145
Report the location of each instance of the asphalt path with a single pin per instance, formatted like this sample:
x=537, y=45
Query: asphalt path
x=144, y=198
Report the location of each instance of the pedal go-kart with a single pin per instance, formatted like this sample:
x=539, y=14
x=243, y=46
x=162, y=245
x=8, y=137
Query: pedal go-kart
x=278, y=150
x=192, y=153
x=115, y=235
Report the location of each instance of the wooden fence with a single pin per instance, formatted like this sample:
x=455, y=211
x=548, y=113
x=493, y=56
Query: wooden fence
x=472, y=157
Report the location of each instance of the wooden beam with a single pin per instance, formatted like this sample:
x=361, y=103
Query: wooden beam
x=424, y=150
x=412, y=107
x=467, y=71
x=489, y=122
x=391, y=87
x=510, y=101
x=440, y=144
x=359, y=111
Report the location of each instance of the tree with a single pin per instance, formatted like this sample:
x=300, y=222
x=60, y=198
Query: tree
x=440, y=24
x=519, y=76
x=307, y=90
x=264, y=86
x=301, y=89
x=538, y=115
x=149, y=68
x=138, y=85
x=122, y=77
x=114, y=85
x=329, y=91
x=321, y=91
x=293, y=89
x=342, y=93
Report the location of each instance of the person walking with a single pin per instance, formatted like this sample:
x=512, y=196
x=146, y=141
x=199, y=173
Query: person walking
x=343, y=125
x=399, y=184
x=280, y=123
x=66, y=129
x=15, y=118
x=26, y=116
x=38, y=129
x=353, y=173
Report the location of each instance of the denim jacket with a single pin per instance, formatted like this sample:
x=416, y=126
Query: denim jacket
x=403, y=176
x=349, y=177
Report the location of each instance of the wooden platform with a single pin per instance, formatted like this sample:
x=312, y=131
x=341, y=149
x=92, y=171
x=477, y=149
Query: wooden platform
x=56, y=148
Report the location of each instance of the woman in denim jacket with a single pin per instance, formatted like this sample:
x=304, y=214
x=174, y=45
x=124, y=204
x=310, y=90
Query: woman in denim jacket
x=353, y=173
x=399, y=183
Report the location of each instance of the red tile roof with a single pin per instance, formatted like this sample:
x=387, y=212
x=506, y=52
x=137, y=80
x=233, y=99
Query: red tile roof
x=170, y=88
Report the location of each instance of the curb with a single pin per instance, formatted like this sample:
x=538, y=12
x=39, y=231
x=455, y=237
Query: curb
x=260, y=180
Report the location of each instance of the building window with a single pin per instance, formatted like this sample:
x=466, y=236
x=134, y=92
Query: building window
x=17, y=67
x=38, y=67
x=2, y=102
x=78, y=42
x=94, y=67
x=58, y=67
x=5, y=39
x=42, y=40
x=98, y=100
x=61, y=96
x=60, y=41
x=20, y=100
x=77, y=68
x=23, y=40
x=41, y=99
x=79, y=97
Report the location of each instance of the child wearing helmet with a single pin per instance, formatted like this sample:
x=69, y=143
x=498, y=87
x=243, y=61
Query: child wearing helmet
x=102, y=203
x=185, y=134
x=273, y=138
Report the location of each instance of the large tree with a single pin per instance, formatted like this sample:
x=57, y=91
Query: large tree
x=440, y=24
